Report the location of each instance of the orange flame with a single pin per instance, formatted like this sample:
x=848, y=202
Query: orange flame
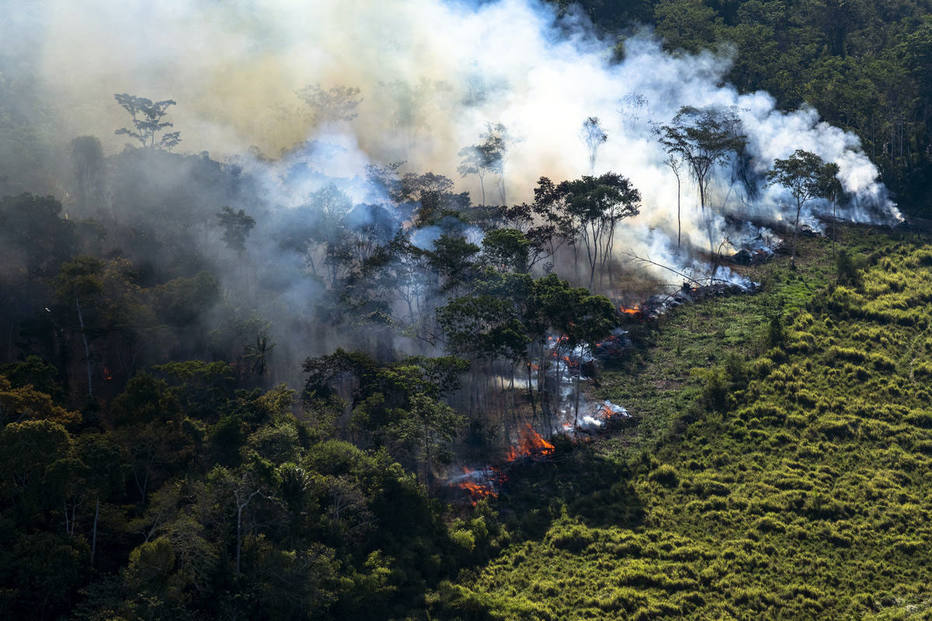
x=630, y=310
x=531, y=444
x=478, y=489
x=107, y=375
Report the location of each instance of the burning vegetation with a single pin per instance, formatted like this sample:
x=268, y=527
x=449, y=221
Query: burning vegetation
x=530, y=446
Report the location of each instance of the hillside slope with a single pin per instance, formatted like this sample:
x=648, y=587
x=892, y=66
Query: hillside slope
x=796, y=485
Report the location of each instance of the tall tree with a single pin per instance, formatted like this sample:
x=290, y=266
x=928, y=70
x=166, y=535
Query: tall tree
x=594, y=137
x=495, y=144
x=81, y=280
x=592, y=208
x=148, y=124
x=703, y=138
x=487, y=156
x=674, y=163
x=804, y=175
x=831, y=190
x=430, y=426
x=236, y=226
x=87, y=159
x=472, y=162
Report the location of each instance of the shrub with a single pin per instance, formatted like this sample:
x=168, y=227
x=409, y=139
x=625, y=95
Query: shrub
x=666, y=475
x=574, y=538
x=846, y=269
x=921, y=419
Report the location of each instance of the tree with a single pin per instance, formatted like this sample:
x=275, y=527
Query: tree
x=236, y=226
x=452, y=259
x=703, y=138
x=104, y=464
x=572, y=312
x=87, y=158
x=686, y=24
x=35, y=237
x=506, y=249
x=472, y=162
x=494, y=146
x=488, y=156
x=337, y=103
x=26, y=403
x=81, y=280
x=594, y=137
x=485, y=326
x=432, y=192
x=674, y=163
x=591, y=208
x=430, y=426
x=545, y=222
x=805, y=175
x=831, y=189
x=28, y=450
x=257, y=356
x=147, y=120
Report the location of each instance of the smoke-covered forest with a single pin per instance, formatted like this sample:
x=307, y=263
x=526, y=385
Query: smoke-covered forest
x=455, y=309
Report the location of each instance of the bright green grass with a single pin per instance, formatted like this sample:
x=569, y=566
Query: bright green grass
x=805, y=495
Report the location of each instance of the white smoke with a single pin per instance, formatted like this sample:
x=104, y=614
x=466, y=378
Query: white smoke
x=432, y=75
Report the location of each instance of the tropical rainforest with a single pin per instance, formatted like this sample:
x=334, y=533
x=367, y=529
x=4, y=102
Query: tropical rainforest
x=466, y=310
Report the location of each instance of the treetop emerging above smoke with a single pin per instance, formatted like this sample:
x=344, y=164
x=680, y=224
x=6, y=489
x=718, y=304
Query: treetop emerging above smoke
x=417, y=81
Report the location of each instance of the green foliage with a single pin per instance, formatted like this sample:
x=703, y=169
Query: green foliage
x=790, y=492
x=847, y=269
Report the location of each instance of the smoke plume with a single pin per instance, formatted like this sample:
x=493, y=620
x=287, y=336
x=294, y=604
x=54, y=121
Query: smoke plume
x=431, y=76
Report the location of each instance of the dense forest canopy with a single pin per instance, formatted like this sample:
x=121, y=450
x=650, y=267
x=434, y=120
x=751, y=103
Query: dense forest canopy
x=291, y=294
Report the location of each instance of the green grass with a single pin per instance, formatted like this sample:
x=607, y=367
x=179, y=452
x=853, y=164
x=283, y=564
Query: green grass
x=761, y=482
x=659, y=382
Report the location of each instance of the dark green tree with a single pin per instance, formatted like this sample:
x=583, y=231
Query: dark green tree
x=429, y=426
x=805, y=175
x=506, y=250
x=236, y=225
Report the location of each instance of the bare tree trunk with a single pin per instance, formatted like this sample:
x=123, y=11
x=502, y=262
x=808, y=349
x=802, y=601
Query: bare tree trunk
x=576, y=413
x=427, y=458
x=679, y=226
x=87, y=350
x=239, y=539
x=502, y=185
x=240, y=507
x=94, y=531
x=530, y=391
x=799, y=207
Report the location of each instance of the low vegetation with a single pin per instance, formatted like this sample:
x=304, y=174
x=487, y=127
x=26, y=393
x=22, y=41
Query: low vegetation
x=787, y=476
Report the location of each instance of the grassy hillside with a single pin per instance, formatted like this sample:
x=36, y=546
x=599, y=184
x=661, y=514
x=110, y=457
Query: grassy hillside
x=780, y=469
